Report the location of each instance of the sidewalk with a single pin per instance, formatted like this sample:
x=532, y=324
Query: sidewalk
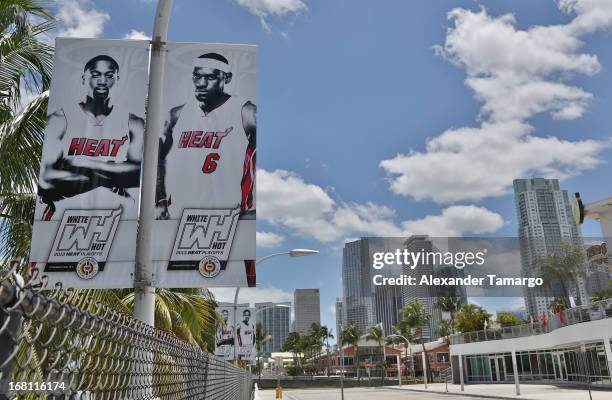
x=507, y=391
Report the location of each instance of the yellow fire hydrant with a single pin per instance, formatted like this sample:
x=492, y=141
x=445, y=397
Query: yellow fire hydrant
x=279, y=392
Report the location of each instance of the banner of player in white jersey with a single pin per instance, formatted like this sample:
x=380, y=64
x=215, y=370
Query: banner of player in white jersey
x=236, y=341
x=87, y=209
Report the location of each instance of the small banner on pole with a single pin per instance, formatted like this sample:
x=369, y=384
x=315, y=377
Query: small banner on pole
x=236, y=342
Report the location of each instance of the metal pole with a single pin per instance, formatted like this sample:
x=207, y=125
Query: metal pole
x=399, y=369
x=144, y=291
x=341, y=366
x=424, y=369
x=235, y=331
x=516, y=375
x=461, y=372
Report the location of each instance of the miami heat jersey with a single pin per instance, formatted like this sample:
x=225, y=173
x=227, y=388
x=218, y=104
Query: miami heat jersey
x=99, y=139
x=246, y=335
x=205, y=165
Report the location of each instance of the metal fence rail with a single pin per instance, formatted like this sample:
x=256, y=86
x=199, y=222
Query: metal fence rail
x=571, y=316
x=63, y=345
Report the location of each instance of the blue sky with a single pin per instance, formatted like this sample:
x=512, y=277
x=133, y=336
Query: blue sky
x=396, y=117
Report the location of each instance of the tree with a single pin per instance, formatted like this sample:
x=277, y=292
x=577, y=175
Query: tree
x=505, y=320
x=350, y=335
x=403, y=329
x=471, y=318
x=601, y=295
x=376, y=333
x=293, y=345
x=261, y=337
x=451, y=305
x=444, y=330
x=562, y=267
x=327, y=334
x=417, y=317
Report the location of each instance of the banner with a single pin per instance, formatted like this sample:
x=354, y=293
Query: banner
x=87, y=206
x=235, y=336
x=205, y=200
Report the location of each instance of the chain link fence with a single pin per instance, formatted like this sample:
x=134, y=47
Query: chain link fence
x=63, y=345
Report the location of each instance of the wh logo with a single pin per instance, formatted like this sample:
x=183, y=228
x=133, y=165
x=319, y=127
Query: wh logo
x=205, y=232
x=85, y=233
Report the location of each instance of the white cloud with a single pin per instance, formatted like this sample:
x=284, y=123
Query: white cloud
x=137, y=35
x=516, y=74
x=268, y=239
x=79, y=18
x=266, y=8
x=285, y=199
x=252, y=295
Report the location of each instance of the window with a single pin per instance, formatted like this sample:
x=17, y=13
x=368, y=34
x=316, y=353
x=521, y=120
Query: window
x=442, y=357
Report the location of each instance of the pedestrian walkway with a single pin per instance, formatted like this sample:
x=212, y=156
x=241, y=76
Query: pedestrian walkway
x=508, y=391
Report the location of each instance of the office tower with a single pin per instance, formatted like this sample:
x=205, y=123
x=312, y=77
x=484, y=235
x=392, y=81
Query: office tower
x=544, y=222
x=307, y=309
x=275, y=319
x=339, y=318
x=357, y=291
x=424, y=293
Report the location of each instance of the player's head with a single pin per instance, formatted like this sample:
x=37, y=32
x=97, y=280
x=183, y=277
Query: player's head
x=210, y=75
x=225, y=315
x=247, y=315
x=99, y=75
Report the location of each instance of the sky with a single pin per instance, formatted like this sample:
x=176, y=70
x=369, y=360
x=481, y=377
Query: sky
x=395, y=118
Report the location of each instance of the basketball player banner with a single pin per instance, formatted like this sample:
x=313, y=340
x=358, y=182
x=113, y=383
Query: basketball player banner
x=88, y=190
x=235, y=340
x=205, y=232
x=87, y=209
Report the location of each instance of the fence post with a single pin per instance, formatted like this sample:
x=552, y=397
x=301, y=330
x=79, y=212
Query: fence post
x=8, y=343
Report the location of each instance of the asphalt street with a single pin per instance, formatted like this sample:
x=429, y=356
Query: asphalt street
x=355, y=394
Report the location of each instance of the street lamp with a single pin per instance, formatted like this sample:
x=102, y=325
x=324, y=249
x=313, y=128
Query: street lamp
x=410, y=348
x=290, y=253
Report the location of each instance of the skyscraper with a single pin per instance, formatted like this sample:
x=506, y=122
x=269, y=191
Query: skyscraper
x=339, y=318
x=275, y=319
x=544, y=222
x=357, y=291
x=307, y=309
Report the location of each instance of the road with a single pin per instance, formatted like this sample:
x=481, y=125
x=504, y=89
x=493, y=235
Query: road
x=355, y=394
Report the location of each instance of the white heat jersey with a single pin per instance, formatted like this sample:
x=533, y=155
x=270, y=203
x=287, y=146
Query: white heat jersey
x=246, y=336
x=224, y=333
x=102, y=139
x=204, y=167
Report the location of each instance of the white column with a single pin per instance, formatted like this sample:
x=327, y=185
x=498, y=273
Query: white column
x=516, y=376
x=461, y=371
x=424, y=369
x=608, y=348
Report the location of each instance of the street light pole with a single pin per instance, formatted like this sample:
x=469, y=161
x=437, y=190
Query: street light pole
x=144, y=289
x=290, y=253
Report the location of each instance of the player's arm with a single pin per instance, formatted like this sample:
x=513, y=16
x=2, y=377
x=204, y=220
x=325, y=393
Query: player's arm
x=110, y=174
x=247, y=184
x=165, y=144
x=55, y=182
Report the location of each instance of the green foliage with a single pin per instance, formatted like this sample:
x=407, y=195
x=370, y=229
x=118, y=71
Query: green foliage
x=471, y=318
x=416, y=316
x=451, y=305
x=444, y=329
x=505, y=320
x=562, y=266
x=601, y=295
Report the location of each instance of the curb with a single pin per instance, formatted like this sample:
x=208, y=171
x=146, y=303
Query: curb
x=481, y=396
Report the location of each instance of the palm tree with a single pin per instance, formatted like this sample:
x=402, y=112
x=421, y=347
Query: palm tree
x=350, y=335
x=403, y=329
x=471, y=318
x=326, y=334
x=25, y=71
x=451, y=305
x=376, y=333
x=417, y=317
x=562, y=267
x=293, y=344
x=261, y=337
x=444, y=330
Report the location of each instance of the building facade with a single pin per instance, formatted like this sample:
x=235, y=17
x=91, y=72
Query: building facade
x=339, y=317
x=545, y=222
x=357, y=293
x=307, y=305
x=275, y=318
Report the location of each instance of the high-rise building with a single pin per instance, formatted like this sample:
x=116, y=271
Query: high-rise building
x=357, y=291
x=339, y=318
x=307, y=309
x=545, y=221
x=275, y=319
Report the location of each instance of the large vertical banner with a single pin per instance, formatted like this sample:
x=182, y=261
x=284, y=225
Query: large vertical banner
x=87, y=207
x=205, y=233
x=235, y=340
